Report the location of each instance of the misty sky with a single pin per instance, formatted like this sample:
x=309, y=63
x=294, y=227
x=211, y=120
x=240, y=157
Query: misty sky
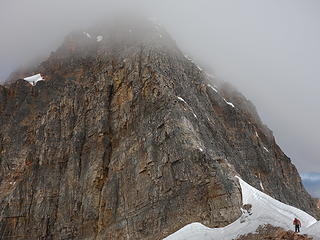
x=268, y=49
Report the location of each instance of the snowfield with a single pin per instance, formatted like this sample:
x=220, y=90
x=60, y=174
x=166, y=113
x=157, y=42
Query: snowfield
x=265, y=210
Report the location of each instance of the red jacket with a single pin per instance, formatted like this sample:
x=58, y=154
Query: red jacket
x=296, y=221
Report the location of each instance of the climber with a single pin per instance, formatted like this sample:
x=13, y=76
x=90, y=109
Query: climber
x=297, y=224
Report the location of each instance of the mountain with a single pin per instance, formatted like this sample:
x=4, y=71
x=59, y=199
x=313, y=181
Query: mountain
x=127, y=138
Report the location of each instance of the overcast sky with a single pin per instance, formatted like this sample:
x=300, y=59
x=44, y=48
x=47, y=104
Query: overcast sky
x=268, y=49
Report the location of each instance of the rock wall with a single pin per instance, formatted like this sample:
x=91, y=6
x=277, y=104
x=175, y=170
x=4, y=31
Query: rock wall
x=125, y=139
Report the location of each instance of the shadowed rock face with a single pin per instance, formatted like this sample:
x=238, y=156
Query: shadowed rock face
x=125, y=140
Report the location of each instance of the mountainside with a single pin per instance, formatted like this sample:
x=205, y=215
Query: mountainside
x=127, y=139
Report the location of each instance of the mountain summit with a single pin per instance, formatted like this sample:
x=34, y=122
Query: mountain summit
x=127, y=138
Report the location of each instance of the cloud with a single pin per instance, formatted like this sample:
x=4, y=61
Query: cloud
x=311, y=181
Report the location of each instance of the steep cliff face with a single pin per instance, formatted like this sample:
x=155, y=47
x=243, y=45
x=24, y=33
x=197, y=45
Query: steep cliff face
x=126, y=140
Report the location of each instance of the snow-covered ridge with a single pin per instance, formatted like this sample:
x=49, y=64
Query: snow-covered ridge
x=34, y=79
x=265, y=210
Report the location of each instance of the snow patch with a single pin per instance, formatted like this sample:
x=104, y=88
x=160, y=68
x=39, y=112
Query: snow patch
x=213, y=88
x=182, y=100
x=87, y=34
x=34, y=79
x=257, y=135
x=187, y=57
x=266, y=149
x=261, y=185
x=265, y=210
x=99, y=38
x=229, y=103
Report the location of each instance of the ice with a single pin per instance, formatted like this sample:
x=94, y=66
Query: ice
x=265, y=210
x=99, y=38
x=34, y=79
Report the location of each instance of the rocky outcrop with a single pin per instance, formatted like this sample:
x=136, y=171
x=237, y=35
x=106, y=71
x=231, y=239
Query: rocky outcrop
x=273, y=233
x=126, y=140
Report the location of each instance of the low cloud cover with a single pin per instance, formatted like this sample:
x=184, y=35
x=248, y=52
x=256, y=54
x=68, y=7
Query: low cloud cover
x=268, y=49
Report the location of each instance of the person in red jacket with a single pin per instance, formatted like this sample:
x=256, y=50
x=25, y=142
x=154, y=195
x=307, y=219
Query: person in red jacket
x=297, y=224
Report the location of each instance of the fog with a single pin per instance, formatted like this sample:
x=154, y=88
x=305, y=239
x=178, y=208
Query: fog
x=268, y=49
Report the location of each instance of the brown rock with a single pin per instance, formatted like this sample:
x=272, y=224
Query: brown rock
x=105, y=149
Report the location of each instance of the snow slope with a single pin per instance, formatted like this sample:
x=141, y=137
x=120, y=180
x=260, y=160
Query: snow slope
x=265, y=210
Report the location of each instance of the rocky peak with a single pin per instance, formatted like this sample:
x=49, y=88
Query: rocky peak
x=127, y=139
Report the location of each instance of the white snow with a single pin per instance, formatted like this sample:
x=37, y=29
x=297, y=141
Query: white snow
x=181, y=99
x=87, y=34
x=213, y=88
x=229, y=103
x=266, y=149
x=194, y=115
x=34, y=79
x=265, y=210
x=257, y=134
x=261, y=185
x=99, y=38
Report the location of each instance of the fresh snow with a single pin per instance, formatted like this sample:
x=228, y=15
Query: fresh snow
x=99, y=38
x=34, y=79
x=265, y=210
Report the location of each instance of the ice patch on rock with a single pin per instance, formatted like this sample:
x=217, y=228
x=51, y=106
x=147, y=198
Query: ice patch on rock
x=34, y=79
